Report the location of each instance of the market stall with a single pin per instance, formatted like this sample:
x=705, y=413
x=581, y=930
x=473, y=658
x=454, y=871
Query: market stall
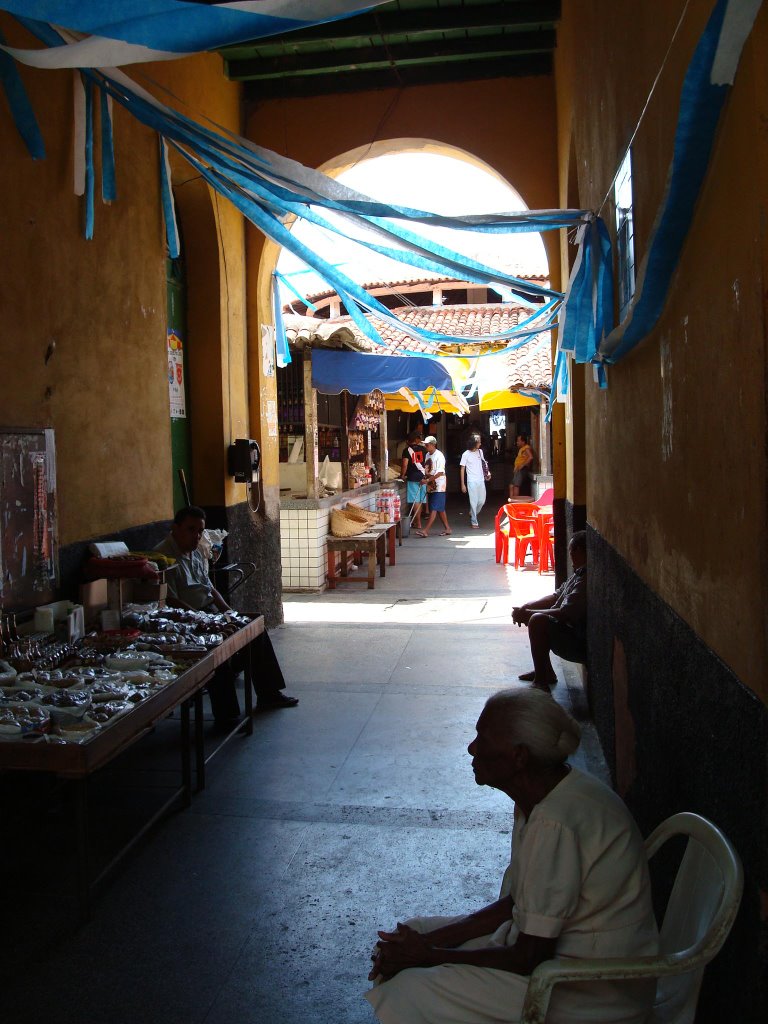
x=348, y=388
x=69, y=707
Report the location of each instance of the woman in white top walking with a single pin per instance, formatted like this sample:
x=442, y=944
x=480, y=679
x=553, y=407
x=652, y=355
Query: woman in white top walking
x=472, y=470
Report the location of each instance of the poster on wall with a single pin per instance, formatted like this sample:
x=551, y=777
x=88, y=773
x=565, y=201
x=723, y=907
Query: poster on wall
x=272, y=418
x=268, y=350
x=176, y=393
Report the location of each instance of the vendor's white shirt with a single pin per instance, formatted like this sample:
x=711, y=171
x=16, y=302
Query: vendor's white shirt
x=438, y=466
x=473, y=466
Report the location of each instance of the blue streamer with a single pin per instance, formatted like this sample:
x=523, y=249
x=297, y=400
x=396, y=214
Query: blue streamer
x=89, y=169
x=166, y=198
x=182, y=28
x=108, y=181
x=282, y=349
x=348, y=290
x=304, y=301
x=234, y=172
x=21, y=109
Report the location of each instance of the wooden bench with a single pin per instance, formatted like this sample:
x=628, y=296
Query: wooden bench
x=377, y=542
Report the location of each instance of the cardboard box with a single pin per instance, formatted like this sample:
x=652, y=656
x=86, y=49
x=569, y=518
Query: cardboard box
x=61, y=618
x=143, y=592
x=95, y=599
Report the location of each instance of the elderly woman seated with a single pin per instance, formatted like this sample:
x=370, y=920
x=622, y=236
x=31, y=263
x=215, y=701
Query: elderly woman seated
x=577, y=886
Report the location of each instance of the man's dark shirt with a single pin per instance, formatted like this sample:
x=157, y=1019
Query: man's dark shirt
x=416, y=454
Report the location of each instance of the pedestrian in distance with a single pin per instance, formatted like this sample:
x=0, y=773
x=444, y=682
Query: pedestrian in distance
x=472, y=470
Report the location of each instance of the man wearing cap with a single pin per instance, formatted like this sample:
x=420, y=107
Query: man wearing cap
x=436, y=498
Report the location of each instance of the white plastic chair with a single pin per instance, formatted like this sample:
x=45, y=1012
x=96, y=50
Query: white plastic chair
x=700, y=913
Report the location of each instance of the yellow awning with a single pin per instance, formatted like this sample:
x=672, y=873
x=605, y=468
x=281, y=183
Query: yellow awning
x=432, y=401
x=490, y=401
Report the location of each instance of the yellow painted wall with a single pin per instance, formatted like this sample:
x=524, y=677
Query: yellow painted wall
x=676, y=445
x=103, y=302
x=214, y=250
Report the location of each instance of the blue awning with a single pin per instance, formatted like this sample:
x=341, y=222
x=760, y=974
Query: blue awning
x=334, y=372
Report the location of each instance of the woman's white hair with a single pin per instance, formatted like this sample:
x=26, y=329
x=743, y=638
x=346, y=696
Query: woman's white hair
x=532, y=718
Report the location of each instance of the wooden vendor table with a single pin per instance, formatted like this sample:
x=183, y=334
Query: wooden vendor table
x=75, y=762
x=378, y=542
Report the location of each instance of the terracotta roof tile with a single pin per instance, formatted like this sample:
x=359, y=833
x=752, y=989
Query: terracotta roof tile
x=528, y=367
x=424, y=277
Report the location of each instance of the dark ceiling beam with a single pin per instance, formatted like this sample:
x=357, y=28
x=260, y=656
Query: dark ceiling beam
x=376, y=25
x=485, y=47
x=392, y=78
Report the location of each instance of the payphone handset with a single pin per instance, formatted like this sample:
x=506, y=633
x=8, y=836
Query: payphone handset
x=244, y=461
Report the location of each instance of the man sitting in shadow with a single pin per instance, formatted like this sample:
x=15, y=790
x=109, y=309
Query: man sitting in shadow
x=190, y=586
x=558, y=623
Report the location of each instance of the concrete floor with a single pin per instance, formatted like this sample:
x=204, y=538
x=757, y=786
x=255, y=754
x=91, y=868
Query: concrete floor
x=260, y=903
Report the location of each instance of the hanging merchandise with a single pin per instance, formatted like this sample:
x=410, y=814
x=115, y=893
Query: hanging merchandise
x=368, y=412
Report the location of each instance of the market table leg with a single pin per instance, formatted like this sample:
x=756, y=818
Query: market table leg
x=371, y=568
x=331, y=570
x=83, y=848
x=391, y=542
x=186, y=755
x=248, y=695
x=381, y=549
x=199, y=743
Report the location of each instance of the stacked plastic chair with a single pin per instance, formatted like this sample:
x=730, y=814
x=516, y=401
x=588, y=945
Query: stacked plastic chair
x=514, y=523
x=523, y=526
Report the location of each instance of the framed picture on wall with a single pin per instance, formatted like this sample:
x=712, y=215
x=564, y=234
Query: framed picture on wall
x=29, y=554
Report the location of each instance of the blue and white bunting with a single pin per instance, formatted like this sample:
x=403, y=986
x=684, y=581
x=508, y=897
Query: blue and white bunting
x=136, y=31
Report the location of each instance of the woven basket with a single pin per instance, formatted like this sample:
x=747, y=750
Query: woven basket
x=361, y=514
x=344, y=525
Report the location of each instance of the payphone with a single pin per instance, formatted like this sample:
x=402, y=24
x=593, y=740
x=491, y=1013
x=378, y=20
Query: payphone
x=244, y=461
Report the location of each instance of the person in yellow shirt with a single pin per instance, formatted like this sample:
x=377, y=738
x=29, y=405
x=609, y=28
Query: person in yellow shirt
x=521, y=472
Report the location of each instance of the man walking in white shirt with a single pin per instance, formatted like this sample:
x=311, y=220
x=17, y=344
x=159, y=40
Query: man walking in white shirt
x=436, y=498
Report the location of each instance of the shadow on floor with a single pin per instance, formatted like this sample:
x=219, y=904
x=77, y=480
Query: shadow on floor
x=261, y=901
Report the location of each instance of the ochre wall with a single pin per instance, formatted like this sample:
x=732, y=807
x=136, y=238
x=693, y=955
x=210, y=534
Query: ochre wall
x=507, y=123
x=103, y=302
x=676, y=444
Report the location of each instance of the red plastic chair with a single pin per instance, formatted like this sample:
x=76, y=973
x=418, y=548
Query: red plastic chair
x=546, y=533
x=524, y=509
x=547, y=497
x=525, y=531
x=501, y=534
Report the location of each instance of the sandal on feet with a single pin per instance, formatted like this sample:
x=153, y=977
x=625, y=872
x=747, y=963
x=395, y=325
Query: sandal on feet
x=420, y=533
x=527, y=677
x=446, y=533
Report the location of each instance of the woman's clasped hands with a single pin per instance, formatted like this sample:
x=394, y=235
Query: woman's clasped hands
x=398, y=950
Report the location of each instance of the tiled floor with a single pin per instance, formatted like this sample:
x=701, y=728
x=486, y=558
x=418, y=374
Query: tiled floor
x=260, y=903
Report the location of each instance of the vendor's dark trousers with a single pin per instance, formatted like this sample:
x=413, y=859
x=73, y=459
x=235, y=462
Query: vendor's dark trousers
x=566, y=642
x=267, y=678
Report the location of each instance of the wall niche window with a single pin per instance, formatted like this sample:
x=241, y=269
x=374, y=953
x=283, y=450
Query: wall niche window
x=625, y=234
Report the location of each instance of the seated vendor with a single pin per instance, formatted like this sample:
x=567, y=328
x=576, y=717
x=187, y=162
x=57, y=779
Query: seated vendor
x=189, y=586
x=557, y=623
